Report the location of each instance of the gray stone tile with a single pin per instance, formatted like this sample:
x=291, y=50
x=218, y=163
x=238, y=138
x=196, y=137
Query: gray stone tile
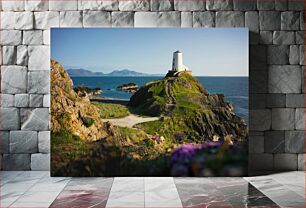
x=122, y=19
x=274, y=141
x=265, y=5
x=266, y=37
x=294, y=141
x=203, y=19
x=36, y=119
x=269, y=20
x=11, y=118
x=39, y=82
x=71, y=19
x=302, y=56
x=258, y=81
x=13, y=79
x=229, y=19
x=290, y=20
x=134, y=5
x=23, y=142
x=44, y=141
x=283, y=118
x=186, y=19
x=9, y=55
x=257, y=101
x=302, y=20
x=36, y=100
x=216, y=5
x=244, y=5
x=258, y=56
x=6, y=100
x=252, y=21
x=22, y=55
x=260, y=162
x=276, y=100
x=196, y=5
x=283, y=37
x=256, y=144
x=97, y=19
x=301, y=162
x=297, y=5
x=278, y=54
x=21, y=100
x=40, y=161
x=281, y=5
x=39, y=58
x=260, y=120
x=11, y=37
x=32, y=37
x=157, y=19
x=4, y=141
x=300, y=119
x=294, y=54
x=99, y=5
x=285, y=79
x=162, y=5
x=299, y=37
x=285, y=162
x=46, y=19
x=295, y=100
x=16, y=161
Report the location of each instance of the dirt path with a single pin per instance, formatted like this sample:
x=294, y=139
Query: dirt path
x=130, y=120
x=171, y=103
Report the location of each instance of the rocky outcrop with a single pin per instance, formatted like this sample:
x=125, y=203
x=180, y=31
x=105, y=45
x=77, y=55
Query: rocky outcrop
x=84, y=91
x=129, y=87
x=198, y=116
x=72, y=113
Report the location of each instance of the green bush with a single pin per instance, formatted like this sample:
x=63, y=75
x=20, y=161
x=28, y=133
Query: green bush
x=88, y=122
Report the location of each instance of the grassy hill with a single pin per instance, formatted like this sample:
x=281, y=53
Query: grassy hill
x=188, y=112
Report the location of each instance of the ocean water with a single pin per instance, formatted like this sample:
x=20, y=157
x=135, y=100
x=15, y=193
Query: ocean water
x=235, y=89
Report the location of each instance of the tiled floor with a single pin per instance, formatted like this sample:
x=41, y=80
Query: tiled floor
x=38, y=189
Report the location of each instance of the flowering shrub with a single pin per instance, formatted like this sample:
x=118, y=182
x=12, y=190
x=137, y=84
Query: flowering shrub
x=209, y=159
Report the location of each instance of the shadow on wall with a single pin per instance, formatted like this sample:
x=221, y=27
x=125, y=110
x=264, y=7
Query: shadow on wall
x=276, y=105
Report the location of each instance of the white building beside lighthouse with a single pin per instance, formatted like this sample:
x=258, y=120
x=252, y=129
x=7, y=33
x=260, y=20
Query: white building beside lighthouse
x=177, y=65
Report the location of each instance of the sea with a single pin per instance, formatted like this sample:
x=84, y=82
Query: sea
x=235, y=89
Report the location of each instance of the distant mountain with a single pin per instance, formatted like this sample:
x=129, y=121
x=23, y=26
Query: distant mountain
x=115, y=73
x=83, y=73
x=126, y=73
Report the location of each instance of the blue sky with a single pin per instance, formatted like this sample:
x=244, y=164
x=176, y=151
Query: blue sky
x=207, y=52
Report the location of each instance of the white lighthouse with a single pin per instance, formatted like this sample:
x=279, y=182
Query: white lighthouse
x=177, y=63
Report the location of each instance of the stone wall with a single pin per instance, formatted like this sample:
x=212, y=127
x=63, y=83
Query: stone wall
x=276, y=68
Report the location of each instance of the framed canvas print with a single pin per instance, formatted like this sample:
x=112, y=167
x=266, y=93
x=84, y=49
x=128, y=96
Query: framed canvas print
x=149, y=102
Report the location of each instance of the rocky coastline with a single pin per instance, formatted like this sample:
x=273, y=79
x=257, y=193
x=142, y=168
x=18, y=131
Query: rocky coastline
x=129, y=87
x=84, y=91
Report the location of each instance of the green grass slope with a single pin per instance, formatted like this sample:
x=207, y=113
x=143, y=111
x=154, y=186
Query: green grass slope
x=188, y=112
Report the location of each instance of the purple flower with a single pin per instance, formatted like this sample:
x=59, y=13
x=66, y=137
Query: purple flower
x=185, y=152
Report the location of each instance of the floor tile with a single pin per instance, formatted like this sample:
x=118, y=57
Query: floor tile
x=95, y=184
x=7, y=176
x=277, y=192
x=84, y=192
x=128, y=185
x=80, y=198
x=30, y=205
x=125, y=200
x=201, y=194
x=157, y=184
x=162, y=198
